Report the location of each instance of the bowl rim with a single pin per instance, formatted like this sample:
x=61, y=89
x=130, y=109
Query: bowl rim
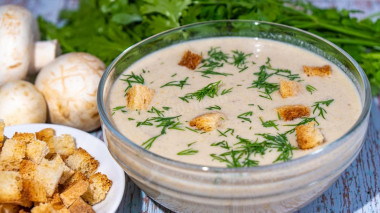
x=309, y=157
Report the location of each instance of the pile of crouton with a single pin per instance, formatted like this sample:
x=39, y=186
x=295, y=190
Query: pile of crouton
x=42, y=172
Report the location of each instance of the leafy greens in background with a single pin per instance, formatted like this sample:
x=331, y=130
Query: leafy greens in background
x=105, y=28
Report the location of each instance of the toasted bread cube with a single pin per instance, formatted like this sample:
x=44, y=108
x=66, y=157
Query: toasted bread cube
x=10, y=186
x=77, y=176
x=34, y=191
x=79, y=206
x=308, y=136
x=27, y=169
x=289, y=88
x=207, y=122
x=12, y=154
x=71, y=194
x=43, y=208
x=64, y=144
x=317, y=71
x=291, y=112
x=139, y=97
x=67, y=173
x=190, y=60
x=2, y=126
x=98, y=188
x=9, y=208
x=24, y=137
x=48, y=173
x=36, y=151
x=82, y=161
x=47, y=135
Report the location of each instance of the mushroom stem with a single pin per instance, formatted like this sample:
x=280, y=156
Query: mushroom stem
x=44, y=53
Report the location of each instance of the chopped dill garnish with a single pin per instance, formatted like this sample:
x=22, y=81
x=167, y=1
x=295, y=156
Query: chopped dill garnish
x=221, y=133
x=240, y=60
x=260, y=108
x=214, y=107
x=188, y=152
x=193, y=130
x=281, y=143
x=148, y=143
x=318, y=106
x=251, y=104
x=310, y=89
x=304, y=121
x=224, y=134
x=225, y=91
x=179, y=84
x=155, y=110
x=119, y=108
x=270, y=123
x=223, y=144
x=173, y=75
x=131, y=119
x=132, y=79
x=211, y=90
x=190, y=144
x=166, y=108
x=278, y=116
x=244, y=116
x=266, y=71
x=216, y=58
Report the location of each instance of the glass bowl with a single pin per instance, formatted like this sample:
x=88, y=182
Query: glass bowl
x=281, y=187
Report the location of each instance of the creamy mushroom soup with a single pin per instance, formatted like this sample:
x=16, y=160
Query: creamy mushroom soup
x=246, y=82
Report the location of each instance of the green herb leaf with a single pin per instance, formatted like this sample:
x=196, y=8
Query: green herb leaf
x=214, y=107
x=119, y=108
x=318, y=107
x=188, y=152
x=179, y=84
x=132, y=79
x=310, y=89
x=244, y=116
x=211, y=90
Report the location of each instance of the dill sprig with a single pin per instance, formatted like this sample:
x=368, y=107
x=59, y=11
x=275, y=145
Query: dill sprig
x=310, y=88
x=224, y=134
x=189, y=151
x=132, y=79
x=304, y=121
x=214, y=107
x=223, y=144
x=216, y=58
x=318, y=106
x=240, y=60
x=270, y=123
x=211, y=90
x=225, y=91
x=155, y=110
x=179, y=84
x=119, y=108
x=244, y=116
x=281, y=143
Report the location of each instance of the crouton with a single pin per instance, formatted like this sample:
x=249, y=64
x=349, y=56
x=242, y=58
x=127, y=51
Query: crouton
x=48, y=173
x=79, y=206
x=308, y=136
x=10, y=186
x=77, y=176
x=67, y=173
x=9, y=208
x=34, y=191
x=289, y=88
x=24, y=137
x=207, y=122
x=12, y=154
x=43, y=208
x=36, y=151
x=80, y=160
x=71, y=194
x=190, y=60
x=317, y=71
x=291, y=112
x=139, y=97
x=47, y=135
x=27, y=169
x=64, y=144
x=2, y=125
x=98, y=188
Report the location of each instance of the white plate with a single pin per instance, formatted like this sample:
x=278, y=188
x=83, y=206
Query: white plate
x=94, y=146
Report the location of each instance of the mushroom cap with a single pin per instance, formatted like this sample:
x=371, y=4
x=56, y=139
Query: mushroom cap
x=69, y=85
x=21, y=103
x=18, y=30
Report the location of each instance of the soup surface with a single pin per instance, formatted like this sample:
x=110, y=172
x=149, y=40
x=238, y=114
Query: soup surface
x=240, y=78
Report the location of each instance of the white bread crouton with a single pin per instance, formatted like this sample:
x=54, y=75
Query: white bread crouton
x=12, y=154
x=291, y=112
x=80, y=160
x=34, y=191
x=77, y=176
x=24, y=137
x=36, y=151
x=48, y=173
x=190, y=60
x=2, y=125
x=56, y=202
x=79, y=206
x=27, y=169
x=308, y=136
x=98, y=188
x=207, y=122
x=48, y=208
x=317, y=71
x=10, y=186
x=72, y=193
x=289, y=88
x=64, y=144
x=47, y=135
x=139, y=97
x=67, y=173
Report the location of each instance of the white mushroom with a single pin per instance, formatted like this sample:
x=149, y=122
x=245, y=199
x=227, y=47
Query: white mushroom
x=69, y=85
x=18, y=50
x=21, y=103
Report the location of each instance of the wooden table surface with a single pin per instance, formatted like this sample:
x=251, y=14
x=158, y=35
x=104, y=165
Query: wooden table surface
x=356, y=190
